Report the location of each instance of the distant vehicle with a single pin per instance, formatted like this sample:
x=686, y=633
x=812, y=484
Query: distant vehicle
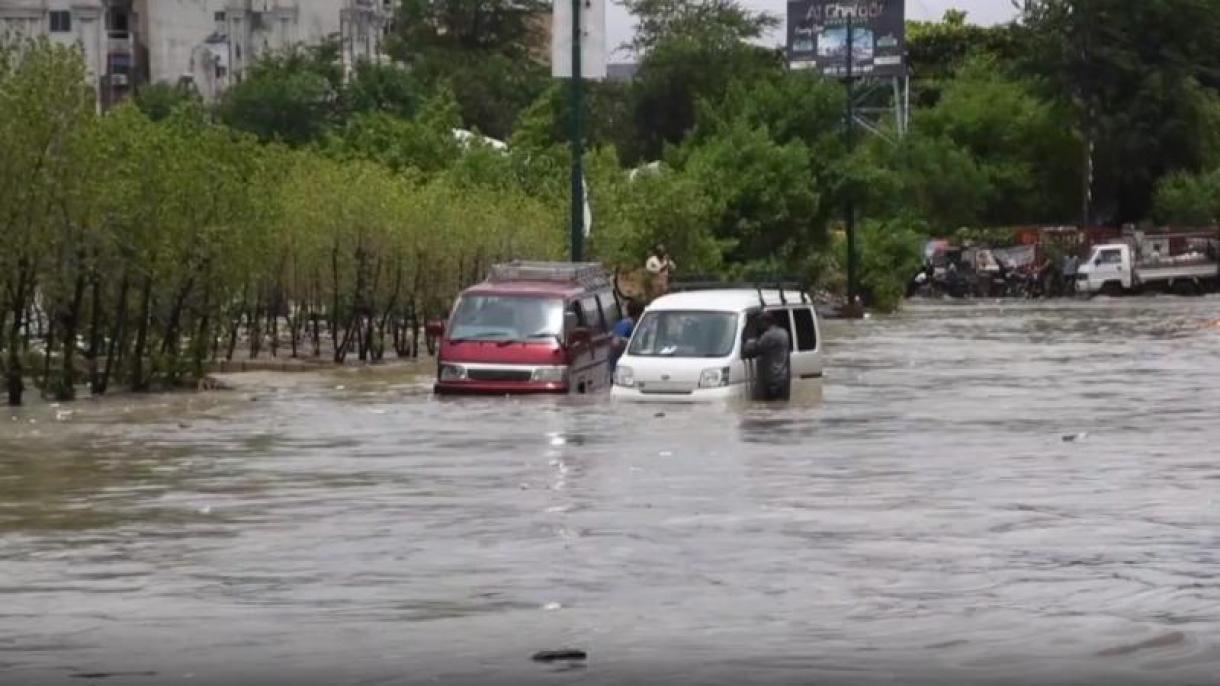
x=1145, y=263
x=531, y=327
x=688, y=345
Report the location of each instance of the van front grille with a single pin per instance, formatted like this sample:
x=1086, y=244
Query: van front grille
x=499, y=374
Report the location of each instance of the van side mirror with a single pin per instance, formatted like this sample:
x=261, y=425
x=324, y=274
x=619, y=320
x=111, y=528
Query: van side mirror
x=435, y=327
x=570, y=322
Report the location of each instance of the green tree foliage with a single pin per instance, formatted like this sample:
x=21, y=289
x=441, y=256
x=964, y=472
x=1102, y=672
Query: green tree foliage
x=291, y=97
x=1140, y=77
x=487, y=51
x=693, y=51
x=1188, y=199
x=990, y=151
x=159, y=100
x=936, y=50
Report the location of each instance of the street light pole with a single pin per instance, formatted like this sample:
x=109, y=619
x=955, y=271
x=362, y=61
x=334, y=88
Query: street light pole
x=576, y=97
x=850, y=220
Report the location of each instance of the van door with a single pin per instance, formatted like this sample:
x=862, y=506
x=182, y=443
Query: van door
x=589, y=367
x=806, y=362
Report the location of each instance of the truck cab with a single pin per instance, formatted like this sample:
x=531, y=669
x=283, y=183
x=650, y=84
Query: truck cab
x=530, y=327
x=1109, y=268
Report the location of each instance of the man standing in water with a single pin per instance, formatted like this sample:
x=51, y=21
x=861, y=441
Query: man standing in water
x=774, y=368
x=623, y=330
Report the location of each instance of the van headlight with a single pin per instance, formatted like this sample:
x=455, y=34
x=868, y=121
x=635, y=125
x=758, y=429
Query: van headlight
x=714, y=377
x=453, y=372
x=550, y=374
x=624, y=376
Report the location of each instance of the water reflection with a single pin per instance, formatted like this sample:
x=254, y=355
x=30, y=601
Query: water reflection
x=921, y=518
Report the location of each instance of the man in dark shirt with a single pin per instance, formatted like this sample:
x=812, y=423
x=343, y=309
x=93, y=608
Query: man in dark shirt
x=774, y=368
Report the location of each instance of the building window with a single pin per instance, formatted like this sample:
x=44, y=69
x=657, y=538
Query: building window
x=61, y=21
x=219, y=17
x=117, y=21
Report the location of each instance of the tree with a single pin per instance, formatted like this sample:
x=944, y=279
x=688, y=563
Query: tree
x=1140, y=79
x=387, y=88
x=488, y=52
x=159, y=100
x=1016, y=140
x=693, y=50
x=290, y=97
x=765, y=189
x=45, y=105
x=936, y=50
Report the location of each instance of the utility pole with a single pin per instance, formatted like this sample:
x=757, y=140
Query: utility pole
x=576, y=103
x=850, y=219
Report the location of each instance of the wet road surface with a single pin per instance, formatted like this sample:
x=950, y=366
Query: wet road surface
x=1022, y=493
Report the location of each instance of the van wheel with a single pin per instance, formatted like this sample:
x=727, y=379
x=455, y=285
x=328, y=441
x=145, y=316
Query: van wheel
x=1112, y=288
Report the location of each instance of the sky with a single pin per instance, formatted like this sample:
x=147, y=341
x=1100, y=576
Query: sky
x=619, y=24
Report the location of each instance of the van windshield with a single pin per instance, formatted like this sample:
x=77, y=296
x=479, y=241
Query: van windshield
x=684, y=334
x=506, y=318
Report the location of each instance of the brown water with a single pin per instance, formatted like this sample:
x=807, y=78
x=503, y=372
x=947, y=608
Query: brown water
x=927, y=521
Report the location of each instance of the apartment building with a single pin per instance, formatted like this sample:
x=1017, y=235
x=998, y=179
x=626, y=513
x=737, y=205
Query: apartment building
x=207, y=45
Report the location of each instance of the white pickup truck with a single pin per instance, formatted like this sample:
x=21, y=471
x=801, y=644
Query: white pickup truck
x=1115, y=268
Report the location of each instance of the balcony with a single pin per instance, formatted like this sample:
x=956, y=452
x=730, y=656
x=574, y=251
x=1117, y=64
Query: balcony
x=120, y=41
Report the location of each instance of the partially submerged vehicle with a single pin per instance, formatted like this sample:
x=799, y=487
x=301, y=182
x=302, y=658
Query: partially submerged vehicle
x=1166, y=262
x=688, y=345
x=530, y=327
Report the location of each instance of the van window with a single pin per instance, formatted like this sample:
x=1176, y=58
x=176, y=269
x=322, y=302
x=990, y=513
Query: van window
x=1111, y=257
x=806, y=332
x=592, y=314
x=610, y=308
x=753, y=328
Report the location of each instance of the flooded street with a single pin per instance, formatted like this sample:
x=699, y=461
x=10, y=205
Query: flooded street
x=987, y=492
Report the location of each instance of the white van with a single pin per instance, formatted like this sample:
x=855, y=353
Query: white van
x=688, y=345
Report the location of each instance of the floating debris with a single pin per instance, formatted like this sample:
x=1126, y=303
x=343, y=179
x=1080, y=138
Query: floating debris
x=552, y=606
x=1073, y=438
x=1170, y=639
x=567, y=654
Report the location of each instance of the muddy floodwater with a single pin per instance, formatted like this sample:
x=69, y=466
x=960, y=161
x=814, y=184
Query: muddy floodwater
x=1020, y=493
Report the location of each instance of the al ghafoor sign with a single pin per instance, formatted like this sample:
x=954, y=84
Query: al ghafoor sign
x=817, y=36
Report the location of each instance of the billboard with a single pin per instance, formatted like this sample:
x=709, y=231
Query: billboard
x=817, y=36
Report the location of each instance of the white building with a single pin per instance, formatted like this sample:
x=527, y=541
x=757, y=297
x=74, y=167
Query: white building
x=101, y=28
x=211, y=44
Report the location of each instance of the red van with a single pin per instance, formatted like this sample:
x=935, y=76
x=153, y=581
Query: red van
x=531, y=327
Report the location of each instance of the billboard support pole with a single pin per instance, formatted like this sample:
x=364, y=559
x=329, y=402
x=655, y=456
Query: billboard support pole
x=850, y=219
x=576, y=104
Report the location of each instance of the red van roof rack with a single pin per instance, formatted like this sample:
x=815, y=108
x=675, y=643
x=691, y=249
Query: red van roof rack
x=588, y=274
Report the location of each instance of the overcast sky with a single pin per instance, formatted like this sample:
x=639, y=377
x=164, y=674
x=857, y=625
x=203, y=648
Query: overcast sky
x=618, y=22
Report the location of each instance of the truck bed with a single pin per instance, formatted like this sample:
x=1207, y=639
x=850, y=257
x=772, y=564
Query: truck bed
x=1200, y=270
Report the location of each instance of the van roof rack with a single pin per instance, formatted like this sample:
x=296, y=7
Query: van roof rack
x=780, y=285
x=589, y=274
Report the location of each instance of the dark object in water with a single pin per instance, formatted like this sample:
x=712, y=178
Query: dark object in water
x=659, y=414
x=1170, y=639
x=107, y=675
x=557, y=655
x=1072, y=438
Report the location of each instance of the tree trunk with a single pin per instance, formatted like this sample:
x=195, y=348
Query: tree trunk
x=139, y=380
x=16, y=382
x=66, y=388
x=118, y=335
x=95, y=331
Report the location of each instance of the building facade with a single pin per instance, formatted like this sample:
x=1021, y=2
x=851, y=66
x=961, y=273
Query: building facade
x=207, y=45
x=210, y=44
x=103, y=29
